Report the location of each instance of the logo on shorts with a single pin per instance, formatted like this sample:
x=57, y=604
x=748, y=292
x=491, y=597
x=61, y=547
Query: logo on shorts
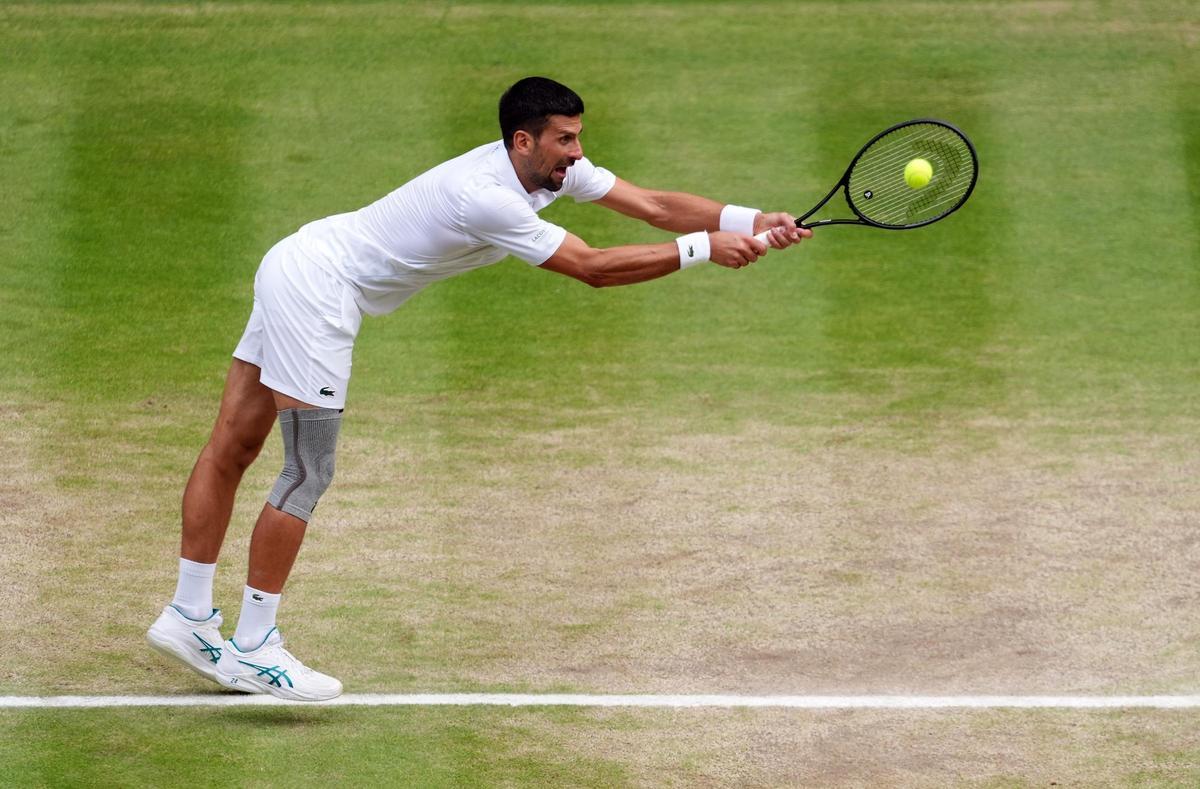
x=326, y=392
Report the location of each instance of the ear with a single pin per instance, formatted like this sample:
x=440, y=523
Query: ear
x=523, y=141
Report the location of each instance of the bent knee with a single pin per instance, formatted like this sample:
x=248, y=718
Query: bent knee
x=231, y=454
x=309, y=446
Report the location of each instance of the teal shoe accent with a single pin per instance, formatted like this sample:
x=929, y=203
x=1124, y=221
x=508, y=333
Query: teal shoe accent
x=260, y=643
x=274, y=672
x=215, y=611
x=211, y=652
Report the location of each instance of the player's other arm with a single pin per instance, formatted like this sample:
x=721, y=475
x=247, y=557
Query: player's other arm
x=627, y=265
x=681, y=212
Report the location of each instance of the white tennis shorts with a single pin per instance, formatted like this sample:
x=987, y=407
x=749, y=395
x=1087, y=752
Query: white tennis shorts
x=302, y=328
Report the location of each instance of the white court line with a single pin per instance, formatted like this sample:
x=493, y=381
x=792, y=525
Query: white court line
x=584, y=700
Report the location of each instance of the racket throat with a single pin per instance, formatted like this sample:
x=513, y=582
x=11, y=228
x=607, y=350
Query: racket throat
x=802, y=221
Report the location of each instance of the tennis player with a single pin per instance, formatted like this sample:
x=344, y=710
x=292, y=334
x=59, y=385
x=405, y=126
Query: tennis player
x=311, y=291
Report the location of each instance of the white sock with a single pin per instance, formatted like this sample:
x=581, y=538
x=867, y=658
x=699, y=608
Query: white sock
x=256, y=620
x=193, y=593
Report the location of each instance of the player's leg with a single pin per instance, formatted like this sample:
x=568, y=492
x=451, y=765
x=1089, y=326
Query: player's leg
x=188, y=630
x=255, y=660
x=244, y=421
x=310, y=441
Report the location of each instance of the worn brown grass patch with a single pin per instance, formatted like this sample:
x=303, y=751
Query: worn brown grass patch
x=31, y=517
x=639, y=556
x=896, y=749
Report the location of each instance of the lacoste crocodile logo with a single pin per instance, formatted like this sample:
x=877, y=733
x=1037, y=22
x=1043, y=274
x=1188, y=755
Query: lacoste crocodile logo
x=326, y=392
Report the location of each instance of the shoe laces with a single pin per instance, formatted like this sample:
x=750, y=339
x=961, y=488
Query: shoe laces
x=295, y=662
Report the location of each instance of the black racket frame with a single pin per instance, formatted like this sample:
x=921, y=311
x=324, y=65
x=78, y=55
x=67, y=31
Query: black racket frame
x=844, y=184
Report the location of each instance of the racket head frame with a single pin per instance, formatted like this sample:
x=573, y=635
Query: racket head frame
x=844, y=183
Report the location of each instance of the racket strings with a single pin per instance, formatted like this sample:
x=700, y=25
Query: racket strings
x=877, y=188
x=896, y=202
x=928, y=197
x=891, y=201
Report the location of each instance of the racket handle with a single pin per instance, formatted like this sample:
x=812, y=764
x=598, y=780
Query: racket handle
x=764, y=234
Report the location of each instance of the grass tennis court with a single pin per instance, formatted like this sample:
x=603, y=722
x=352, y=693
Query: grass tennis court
x=956, y=460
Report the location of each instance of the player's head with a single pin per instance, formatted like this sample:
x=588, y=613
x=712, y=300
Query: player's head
x=529, y=103
x=540, y=122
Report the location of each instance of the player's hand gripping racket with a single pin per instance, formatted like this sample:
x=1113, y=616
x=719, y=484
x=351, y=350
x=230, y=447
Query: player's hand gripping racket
x=907, y=176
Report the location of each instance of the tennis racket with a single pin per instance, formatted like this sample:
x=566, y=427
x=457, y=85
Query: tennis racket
x=878, y=193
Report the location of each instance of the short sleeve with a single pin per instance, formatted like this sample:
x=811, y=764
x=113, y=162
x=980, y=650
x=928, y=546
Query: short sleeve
x=501, y=218
x=586, y=182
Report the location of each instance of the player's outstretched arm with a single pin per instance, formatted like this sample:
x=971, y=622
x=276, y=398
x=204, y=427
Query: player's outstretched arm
x=681, y=212
x=678, y=212
x=627, y=265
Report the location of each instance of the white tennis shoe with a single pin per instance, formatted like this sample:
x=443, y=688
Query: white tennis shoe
x=196, y=643
x=269, y=668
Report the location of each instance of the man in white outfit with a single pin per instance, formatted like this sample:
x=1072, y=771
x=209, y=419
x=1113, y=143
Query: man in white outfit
x=310, y=293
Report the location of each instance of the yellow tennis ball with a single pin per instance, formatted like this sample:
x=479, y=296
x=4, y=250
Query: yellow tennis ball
x=917, y=173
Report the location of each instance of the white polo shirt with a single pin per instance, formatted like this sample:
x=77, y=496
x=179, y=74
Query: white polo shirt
x=465, y=213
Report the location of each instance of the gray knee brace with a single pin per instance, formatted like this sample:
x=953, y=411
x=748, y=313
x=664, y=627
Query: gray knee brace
x=309, y=440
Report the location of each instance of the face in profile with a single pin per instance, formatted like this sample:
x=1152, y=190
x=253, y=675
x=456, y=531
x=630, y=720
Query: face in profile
x=551, y=152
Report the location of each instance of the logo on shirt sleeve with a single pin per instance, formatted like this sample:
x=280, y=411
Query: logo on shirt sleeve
x=538, y=235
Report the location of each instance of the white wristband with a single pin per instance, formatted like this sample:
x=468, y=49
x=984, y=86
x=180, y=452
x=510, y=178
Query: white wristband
x=738, y=219
x=693, y=249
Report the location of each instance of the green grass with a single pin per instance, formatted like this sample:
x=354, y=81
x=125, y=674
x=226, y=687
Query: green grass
x=180, y=146
x=297, y=747
x=438, y=747
x=151, y=153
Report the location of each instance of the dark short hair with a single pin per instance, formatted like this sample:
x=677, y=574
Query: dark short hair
x=530, y=102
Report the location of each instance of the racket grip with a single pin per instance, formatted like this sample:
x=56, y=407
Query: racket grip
x=763, y=235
